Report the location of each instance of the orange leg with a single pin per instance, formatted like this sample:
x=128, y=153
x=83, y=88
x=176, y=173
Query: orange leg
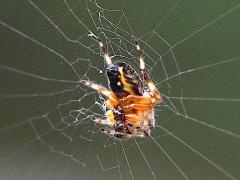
x=133, y=118
x=112, y=101
x=136, y=99
x=142, y=107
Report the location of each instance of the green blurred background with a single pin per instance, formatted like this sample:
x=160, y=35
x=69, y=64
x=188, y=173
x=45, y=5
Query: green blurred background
x=46, y=116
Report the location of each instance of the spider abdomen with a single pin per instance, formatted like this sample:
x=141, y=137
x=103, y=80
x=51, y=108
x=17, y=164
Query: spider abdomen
x=124, y=80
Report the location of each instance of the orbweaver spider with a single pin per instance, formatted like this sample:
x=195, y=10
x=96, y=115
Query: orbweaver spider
x=130, y=105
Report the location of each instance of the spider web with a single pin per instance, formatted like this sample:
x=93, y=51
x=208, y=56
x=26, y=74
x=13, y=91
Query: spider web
x=46, y=124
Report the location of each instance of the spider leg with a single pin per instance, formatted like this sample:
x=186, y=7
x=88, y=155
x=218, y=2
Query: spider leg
x=100, y=89
x=104, y=52
x=142, y=126
x=107, y=122
x=146, y=77
x=142, y=107
x=133, y=119
x=102, y=48
x=112, y=99
x=136, y=99
x=112, y=132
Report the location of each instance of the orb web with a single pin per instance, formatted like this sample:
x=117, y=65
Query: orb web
x=47, y=116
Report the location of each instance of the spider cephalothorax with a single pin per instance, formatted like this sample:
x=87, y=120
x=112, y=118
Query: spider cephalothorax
x=129, y=105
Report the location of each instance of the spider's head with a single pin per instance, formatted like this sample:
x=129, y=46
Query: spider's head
x=123, y=79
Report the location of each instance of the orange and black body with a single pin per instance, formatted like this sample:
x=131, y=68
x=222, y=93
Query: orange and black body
x=130, y=105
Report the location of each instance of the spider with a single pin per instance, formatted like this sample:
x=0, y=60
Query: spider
x=130, y=105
